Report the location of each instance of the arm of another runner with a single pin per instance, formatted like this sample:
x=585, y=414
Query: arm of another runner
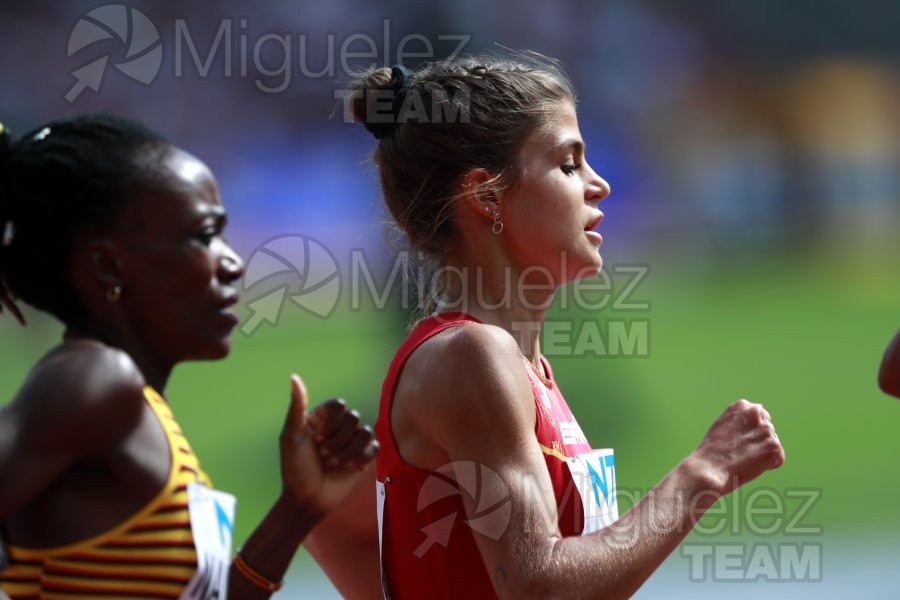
x=483, y=411
x=313, y=485
x=345, y=543
x=889, y=374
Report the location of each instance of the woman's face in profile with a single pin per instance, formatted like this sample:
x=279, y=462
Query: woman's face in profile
x=179, y=272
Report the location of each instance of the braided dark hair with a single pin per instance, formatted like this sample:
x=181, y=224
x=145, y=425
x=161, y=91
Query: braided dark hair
x=64, y=178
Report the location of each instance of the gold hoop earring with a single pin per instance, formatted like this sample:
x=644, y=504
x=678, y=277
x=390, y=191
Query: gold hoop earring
x=497, y=227
x=114, y=293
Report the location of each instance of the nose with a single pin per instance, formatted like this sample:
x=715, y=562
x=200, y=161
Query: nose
x=231, y=266
x=597, y=188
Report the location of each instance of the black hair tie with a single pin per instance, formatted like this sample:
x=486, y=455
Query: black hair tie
x=7, y=141
x=401, y=79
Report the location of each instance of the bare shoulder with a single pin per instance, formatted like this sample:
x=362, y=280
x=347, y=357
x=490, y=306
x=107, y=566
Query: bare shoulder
x=82, y=400
x=466, y=378
x=471, y=357
x=83, y=387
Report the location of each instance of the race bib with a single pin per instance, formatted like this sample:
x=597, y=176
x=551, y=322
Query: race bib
x=380, y=491
x=379, y=498
x=594, y=475
x=212, y=525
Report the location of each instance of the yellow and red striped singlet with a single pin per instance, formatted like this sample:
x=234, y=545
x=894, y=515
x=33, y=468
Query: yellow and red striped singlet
x=149, y=556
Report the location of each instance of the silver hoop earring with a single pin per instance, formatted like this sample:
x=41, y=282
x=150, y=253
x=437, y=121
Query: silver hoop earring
x=497, y=227
x=114, y=293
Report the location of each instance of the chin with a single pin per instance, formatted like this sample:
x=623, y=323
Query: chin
x=585, y=267
x=214, y=352
x=223, y=350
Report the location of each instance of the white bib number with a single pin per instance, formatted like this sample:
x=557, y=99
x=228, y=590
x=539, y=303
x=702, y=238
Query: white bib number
x=594, y=475
x=212, y=525
x=380, y=491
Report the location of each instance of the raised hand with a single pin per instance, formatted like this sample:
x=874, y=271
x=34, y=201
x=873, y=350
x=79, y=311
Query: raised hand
x=322, y=453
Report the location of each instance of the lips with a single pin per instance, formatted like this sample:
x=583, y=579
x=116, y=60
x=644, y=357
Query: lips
x=594, y=222
x=589, y=232
x=229, y=300
x=225, y=311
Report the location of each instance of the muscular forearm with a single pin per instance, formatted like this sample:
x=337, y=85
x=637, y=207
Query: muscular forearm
x=350, y=561
x=614, y=562
x=889, y=374
x=345, y=543
x=270, y=548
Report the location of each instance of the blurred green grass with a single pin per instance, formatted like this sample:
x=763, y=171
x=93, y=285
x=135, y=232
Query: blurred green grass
x=805, y=338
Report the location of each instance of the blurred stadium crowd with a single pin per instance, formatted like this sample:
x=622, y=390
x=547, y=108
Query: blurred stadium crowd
x=728, y=129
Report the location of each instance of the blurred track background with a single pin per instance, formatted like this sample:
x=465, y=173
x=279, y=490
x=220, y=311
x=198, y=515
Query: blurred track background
x=753, y=149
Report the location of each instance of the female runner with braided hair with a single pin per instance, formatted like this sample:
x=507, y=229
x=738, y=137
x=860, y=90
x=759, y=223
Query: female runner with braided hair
x=119, y=235
x=503, y=201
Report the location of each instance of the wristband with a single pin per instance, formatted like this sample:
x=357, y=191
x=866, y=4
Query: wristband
x=255, y=577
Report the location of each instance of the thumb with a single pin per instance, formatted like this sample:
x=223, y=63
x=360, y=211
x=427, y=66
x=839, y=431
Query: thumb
x=296, y=419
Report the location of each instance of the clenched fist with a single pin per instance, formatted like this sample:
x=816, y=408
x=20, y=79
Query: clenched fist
x=739, y=447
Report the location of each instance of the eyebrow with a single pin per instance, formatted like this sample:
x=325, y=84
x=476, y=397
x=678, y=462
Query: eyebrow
x=217, y=212
x=573, y=143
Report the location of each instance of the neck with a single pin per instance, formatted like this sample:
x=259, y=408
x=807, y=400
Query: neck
x=156, y=374
x=499, y=294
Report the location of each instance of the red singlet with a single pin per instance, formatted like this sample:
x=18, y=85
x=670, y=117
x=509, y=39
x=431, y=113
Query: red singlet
x=427, y=545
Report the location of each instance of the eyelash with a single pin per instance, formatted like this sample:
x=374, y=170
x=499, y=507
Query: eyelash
x=569, y=169
x=207, y=235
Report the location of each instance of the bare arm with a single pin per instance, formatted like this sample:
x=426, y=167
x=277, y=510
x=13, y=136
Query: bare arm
x=889, y=374
x=73, y=404
x=483, y=411
x=345, y=543
x=321, y=459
